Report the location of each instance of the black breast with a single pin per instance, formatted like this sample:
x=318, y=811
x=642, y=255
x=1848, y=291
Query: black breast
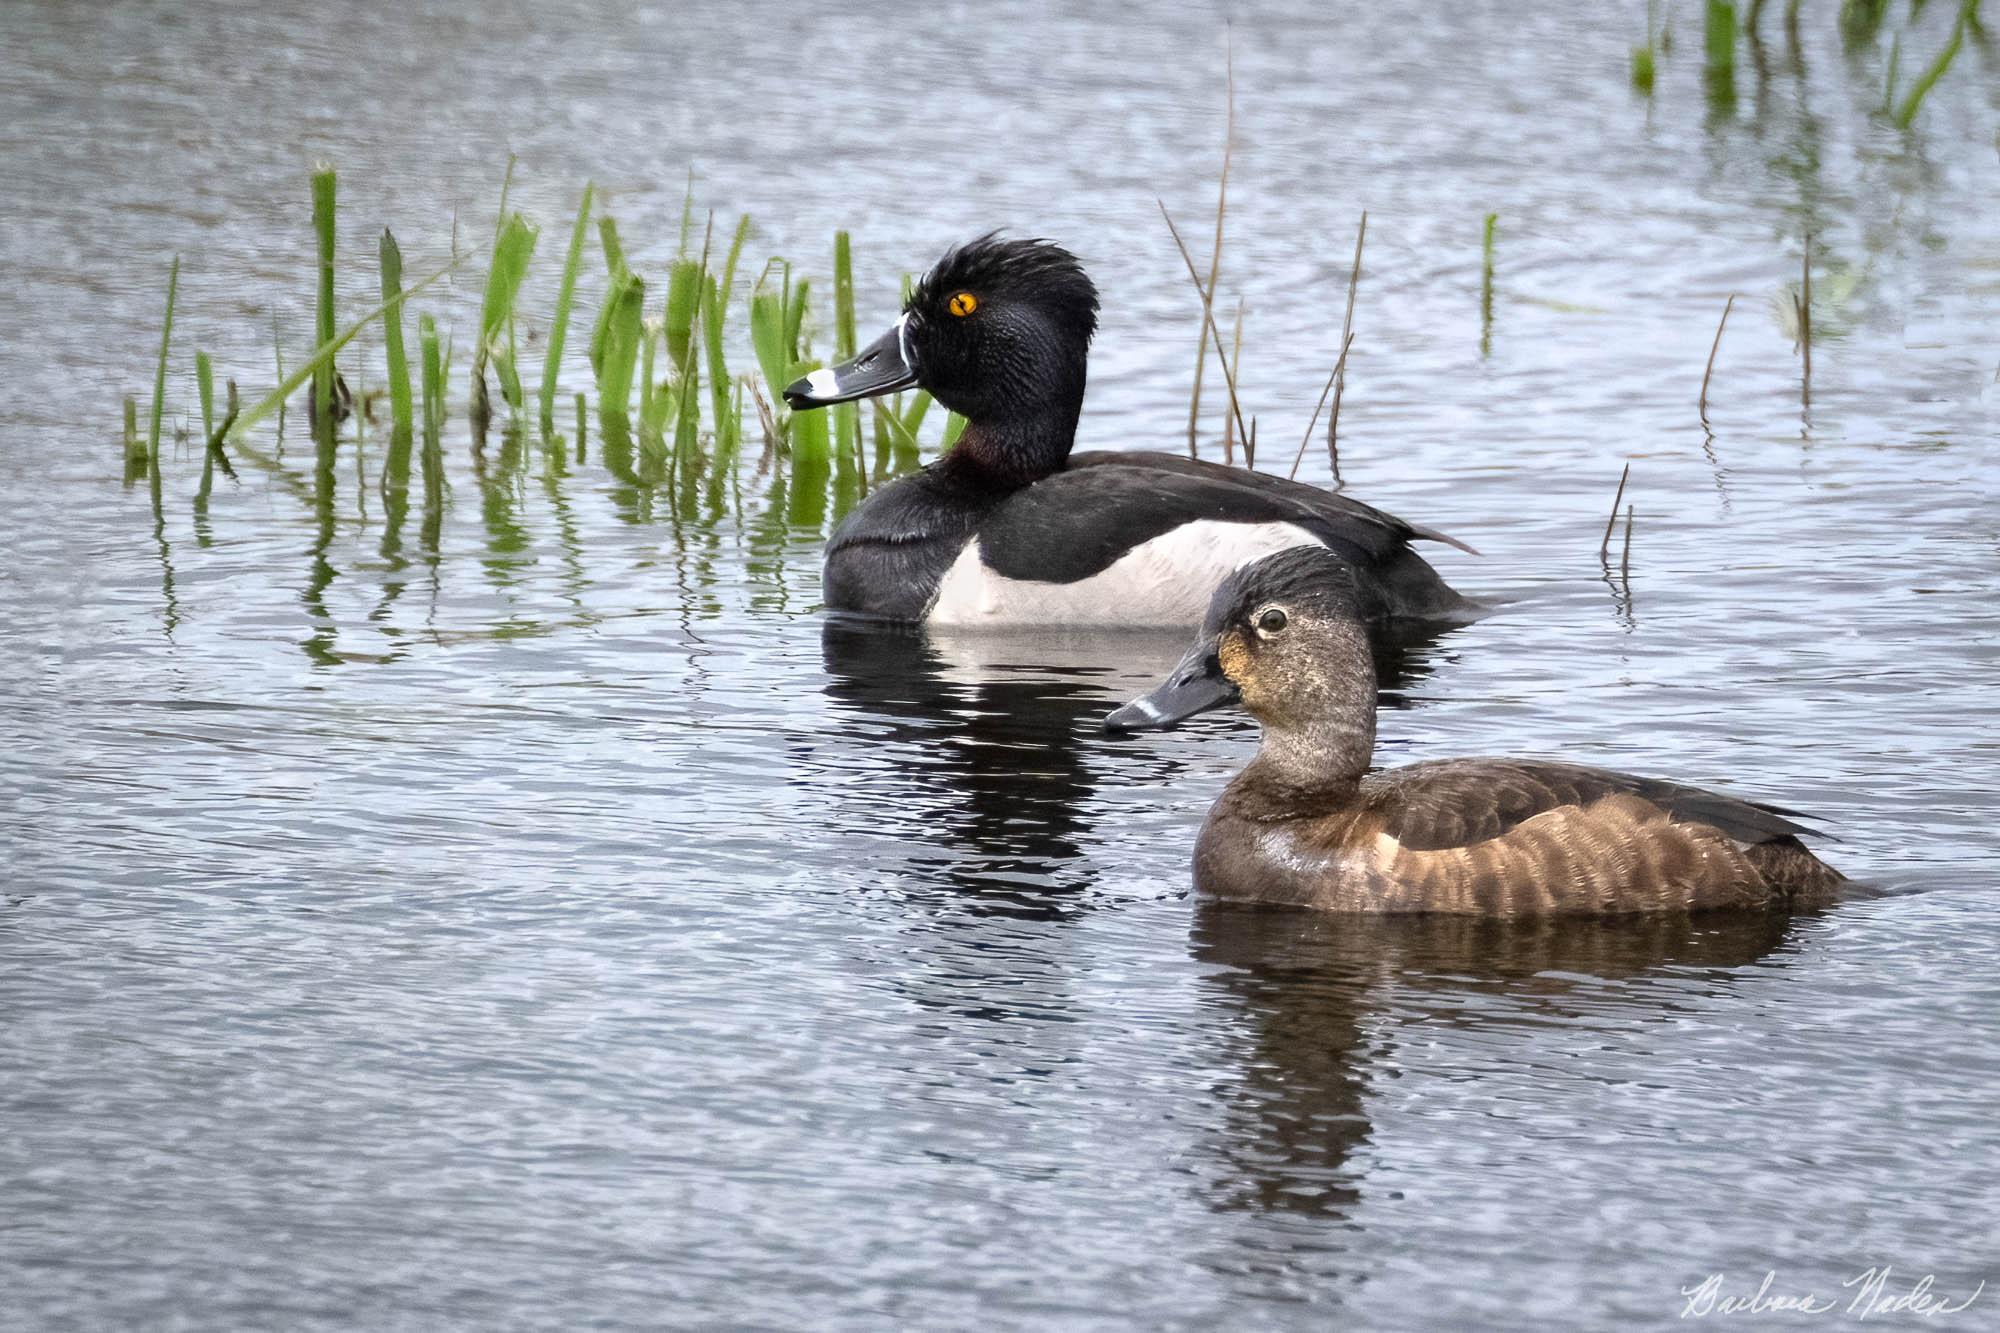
x=887, y=556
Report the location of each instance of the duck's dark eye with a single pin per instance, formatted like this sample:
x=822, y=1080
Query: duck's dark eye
x=1272, y=620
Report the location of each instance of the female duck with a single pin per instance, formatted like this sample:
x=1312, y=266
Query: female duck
x=1009, y=528
x=1307, y=824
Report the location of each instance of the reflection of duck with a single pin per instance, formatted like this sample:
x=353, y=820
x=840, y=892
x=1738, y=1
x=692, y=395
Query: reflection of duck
x=1321, y=997
x=1003, y=728
x=994, y=740
x=1009, y=528
x=1306, y=823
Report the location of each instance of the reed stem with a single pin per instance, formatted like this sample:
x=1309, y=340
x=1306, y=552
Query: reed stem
x=160, y=371
x=323, y=197
x=402, y=415
x=1713, y=347
x=1604, y=547
x=559, y=325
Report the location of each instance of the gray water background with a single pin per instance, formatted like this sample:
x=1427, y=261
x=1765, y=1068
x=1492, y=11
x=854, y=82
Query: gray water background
x=568, y=930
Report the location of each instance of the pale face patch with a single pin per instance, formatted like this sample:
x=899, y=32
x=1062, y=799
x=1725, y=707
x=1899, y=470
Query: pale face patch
x=1163, y=582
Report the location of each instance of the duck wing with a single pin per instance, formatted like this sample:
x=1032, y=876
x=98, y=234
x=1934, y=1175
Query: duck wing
x=1336, y=510
x=1457, y=802
x=1075, y=524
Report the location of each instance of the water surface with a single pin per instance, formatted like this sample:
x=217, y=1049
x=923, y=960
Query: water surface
x=552, y=919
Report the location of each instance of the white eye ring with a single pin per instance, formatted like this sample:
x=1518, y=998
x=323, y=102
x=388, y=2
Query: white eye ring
x=1271, y=620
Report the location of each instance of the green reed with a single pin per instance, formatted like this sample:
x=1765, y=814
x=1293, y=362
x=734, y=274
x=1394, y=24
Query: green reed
x=1906, y=110
x=683, y=300
x=401, y=410
x=727, y=422
x=160, y=371
x=323, y=199
x=204, y=383
x=1486, y=283
x=434, y=406
x=687, y=429
x=513, y=247
x=559, y=324
x=616, y=354
x=321, y=361
x=846, y=416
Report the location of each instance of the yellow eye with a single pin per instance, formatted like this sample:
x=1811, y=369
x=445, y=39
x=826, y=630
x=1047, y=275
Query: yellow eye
x=964, y=303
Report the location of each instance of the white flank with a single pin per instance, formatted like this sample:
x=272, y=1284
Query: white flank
x=1165, y=581
x=823, y=383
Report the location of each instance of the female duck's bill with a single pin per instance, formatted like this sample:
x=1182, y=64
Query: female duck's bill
x=1195, y=686
x=884, y=366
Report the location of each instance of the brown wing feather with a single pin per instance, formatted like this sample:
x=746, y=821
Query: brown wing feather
x=1457, y=802
x=1618, y=853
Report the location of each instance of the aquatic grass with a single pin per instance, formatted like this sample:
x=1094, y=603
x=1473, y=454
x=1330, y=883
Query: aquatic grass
x=797, y=296
x=649, y=390
x=735, y=255
x=1719, y=30
x=434, y=408
x=1336, y=378
x=846, y=416
x=725, y=422
x=694, y=327
x=401, y=408
x=1346, y=342
x=204, y=383
x=232, y=405
x=1643, y=59
x=1339, y=364
x=1702, y=403
x=1214, y=254
x=1804, y=308
x=1236, y=372
x=133, y=451
x=1486, y=284
x=160, y=370
x=683, y=303
x=559, y=322
x=322, y=359
x=614, y=265
x=1861, y=20
x=624, y=331
x=811, y=440
x=513, y=247
x=767, y=340
x=614, y=248
x=324, y=189
x=1913, y=101
x=1889, y=76
x=1604, y=547
x=1208, y=315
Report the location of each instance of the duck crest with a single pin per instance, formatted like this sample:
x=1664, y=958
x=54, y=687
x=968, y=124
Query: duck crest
x=1031, y=270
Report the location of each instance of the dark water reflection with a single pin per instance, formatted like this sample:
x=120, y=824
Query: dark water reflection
x=1001, y=749
x=1308, y=986
x=500, y=897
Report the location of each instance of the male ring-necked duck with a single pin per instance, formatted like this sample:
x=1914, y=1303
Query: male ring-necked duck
x=1306, y=823
x=1010, y=528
